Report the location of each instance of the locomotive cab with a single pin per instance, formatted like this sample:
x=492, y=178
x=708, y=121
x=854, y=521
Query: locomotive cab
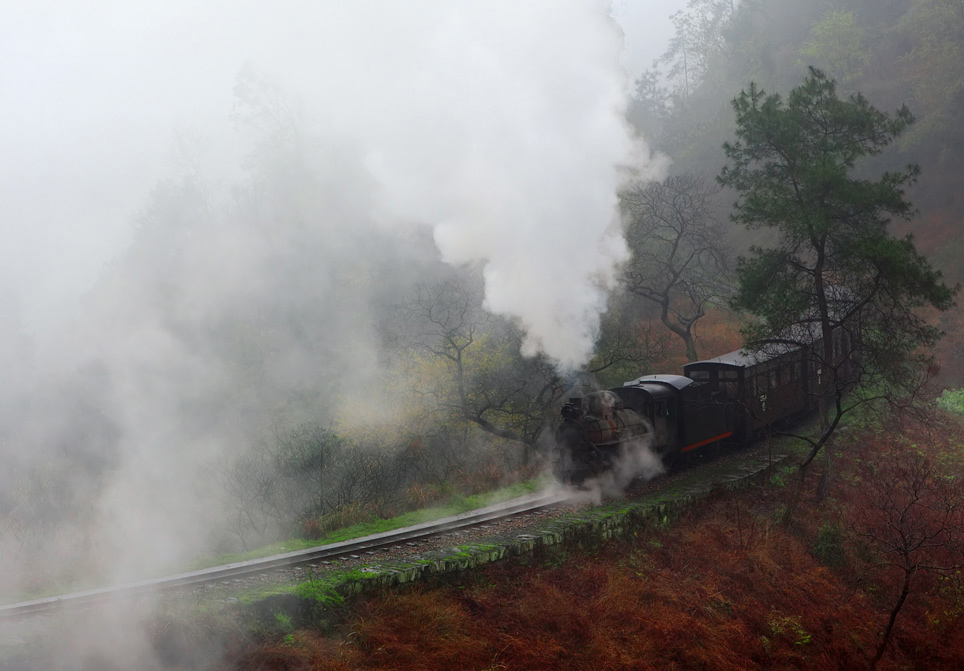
x=658, y=398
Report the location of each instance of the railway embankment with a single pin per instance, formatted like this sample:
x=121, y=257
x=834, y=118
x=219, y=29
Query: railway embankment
x=655, y=504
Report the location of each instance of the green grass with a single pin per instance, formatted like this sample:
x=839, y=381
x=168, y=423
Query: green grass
x=459, y=504
x=378, y=525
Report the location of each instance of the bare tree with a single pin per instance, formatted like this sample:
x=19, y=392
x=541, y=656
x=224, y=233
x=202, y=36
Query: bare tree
x=911, y=517
x=478, y=374
x=679, y=254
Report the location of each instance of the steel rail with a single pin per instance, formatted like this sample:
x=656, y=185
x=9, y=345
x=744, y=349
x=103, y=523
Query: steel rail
x=213, y=574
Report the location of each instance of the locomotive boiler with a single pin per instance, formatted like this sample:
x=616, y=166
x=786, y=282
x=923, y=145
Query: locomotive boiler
x=593, y=435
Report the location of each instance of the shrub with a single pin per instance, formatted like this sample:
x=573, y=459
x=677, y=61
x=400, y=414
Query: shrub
x=952, y=400
x=828, y=547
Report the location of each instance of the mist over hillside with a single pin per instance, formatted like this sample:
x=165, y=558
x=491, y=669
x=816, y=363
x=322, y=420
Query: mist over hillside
x=317, y=164
x=268, y=266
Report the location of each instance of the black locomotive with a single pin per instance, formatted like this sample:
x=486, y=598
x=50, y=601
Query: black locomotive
x=726, y=400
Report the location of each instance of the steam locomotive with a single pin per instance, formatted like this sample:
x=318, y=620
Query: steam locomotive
x=724, y=401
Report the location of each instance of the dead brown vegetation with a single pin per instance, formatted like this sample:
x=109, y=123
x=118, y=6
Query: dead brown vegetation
x=725, y=587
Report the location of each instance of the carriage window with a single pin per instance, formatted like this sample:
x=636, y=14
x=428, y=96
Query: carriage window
x=700, y=375
x=729, y=375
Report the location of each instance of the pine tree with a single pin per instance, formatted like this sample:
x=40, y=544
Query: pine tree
x=835, y=274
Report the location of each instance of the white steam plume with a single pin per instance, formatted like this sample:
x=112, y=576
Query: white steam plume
x=501, y=125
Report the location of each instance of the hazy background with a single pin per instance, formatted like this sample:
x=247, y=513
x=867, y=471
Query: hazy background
x=209, y=210
x=238, y=239
x=93, y=92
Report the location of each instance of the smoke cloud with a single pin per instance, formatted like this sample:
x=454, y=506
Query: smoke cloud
x=501, y=126
x=241, y=293
x=522, y=143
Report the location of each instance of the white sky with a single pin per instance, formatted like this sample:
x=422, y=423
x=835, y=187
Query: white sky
x=90, y=95
x=647, y=29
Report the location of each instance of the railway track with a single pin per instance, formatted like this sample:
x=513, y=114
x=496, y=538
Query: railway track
x=514, y=507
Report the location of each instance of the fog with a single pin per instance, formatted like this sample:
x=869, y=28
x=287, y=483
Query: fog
x=95, y=91
x=207, y=206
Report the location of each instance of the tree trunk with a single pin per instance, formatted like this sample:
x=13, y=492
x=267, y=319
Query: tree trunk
x=690, y=347
x=826, y=477
x=685, y=332
x=904, y=591
x=796, y=491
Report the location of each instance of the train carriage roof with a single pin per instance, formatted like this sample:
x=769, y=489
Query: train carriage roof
x=675, y=381
x=738, y=358
x=805, y=335
x=742, y=358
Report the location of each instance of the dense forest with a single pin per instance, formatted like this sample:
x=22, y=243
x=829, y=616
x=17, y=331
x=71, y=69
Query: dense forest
x=894, y=53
